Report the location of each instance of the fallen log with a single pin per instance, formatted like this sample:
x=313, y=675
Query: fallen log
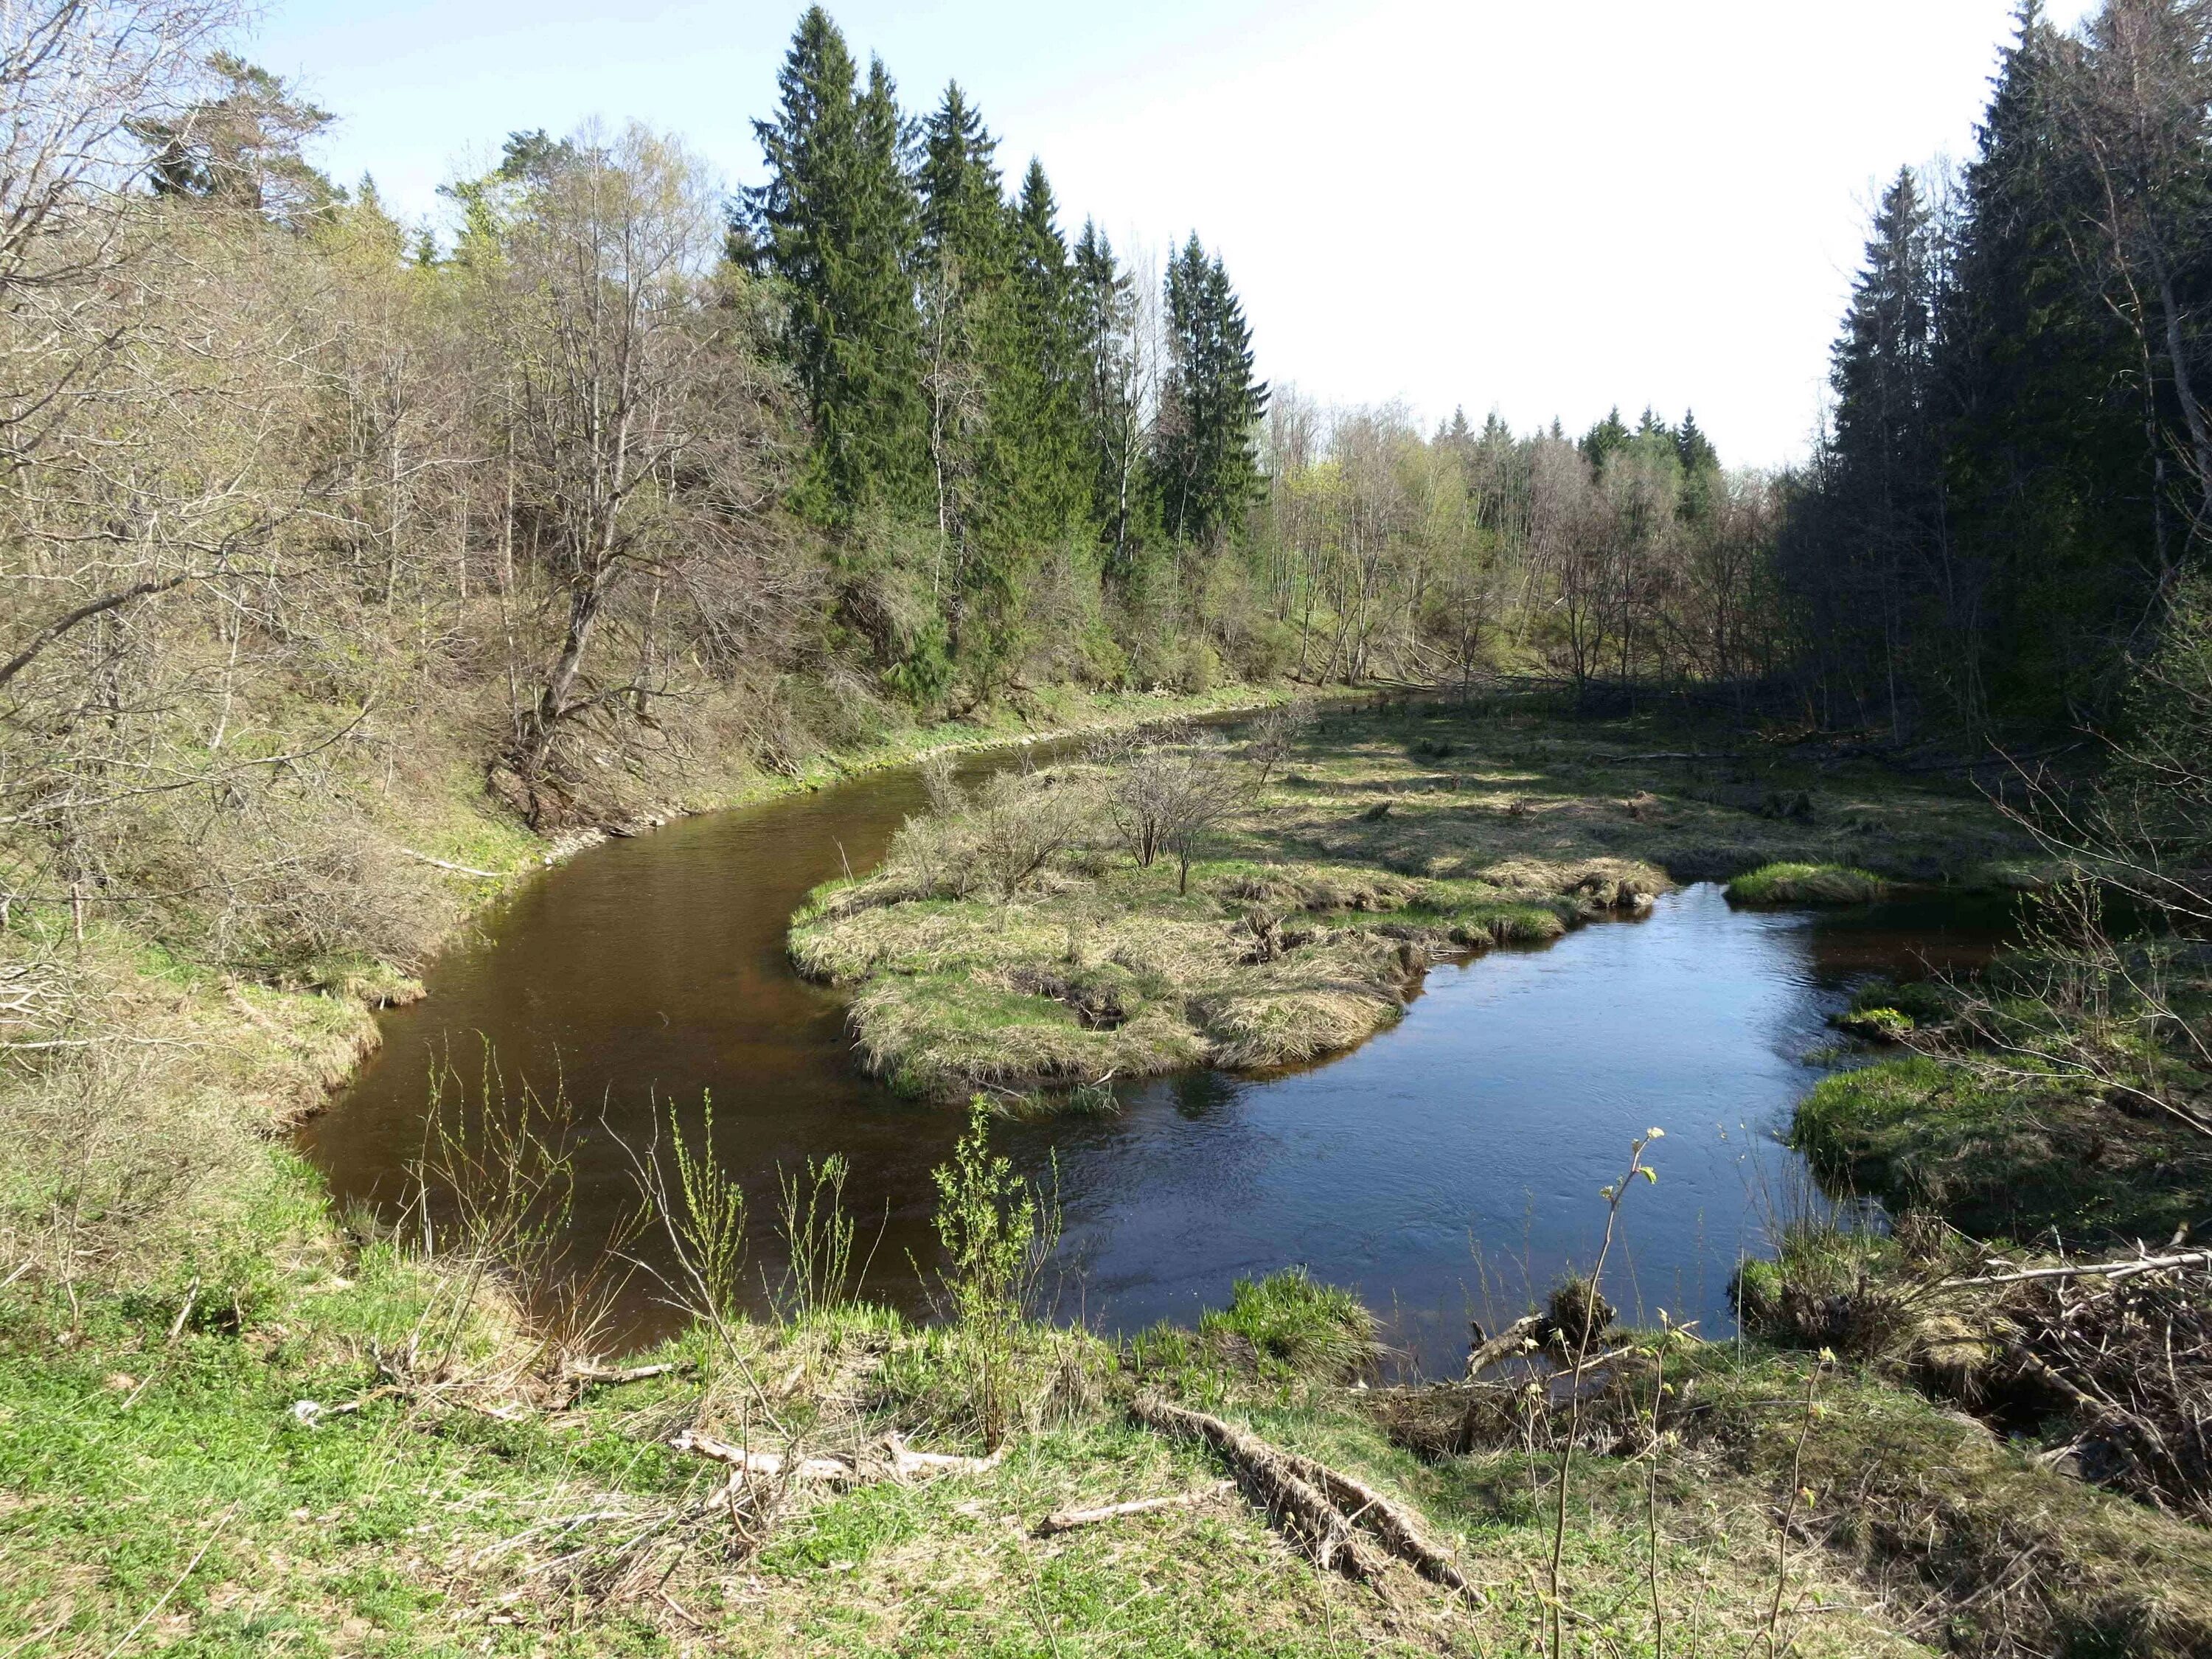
x=1267, y=1473
x=1392, y=1523
x=770, y=1466
x=906, y=1462
x=1070, y=1519
x=899, y=1461
x=1327, y=1504
x=1514, y=1340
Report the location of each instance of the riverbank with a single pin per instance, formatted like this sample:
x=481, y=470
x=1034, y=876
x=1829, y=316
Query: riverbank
x=278, y=1431
x=348, y=1461
x=1037, y=938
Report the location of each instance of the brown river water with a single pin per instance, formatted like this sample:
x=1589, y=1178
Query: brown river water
x=1444, y=1170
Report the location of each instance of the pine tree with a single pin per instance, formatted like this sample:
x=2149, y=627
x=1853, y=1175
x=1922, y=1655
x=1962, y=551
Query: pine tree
x=1207, y=456
x=835, y=226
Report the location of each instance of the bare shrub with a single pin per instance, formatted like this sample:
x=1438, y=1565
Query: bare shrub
x=105, y=1155
x=1169, y=801
x=1020, y=822
x=936, y=856
x=1276, y=736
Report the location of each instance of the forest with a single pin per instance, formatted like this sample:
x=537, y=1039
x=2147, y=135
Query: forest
x=625, y=470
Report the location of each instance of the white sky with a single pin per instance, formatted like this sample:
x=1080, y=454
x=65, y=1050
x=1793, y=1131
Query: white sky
x=1543, y=206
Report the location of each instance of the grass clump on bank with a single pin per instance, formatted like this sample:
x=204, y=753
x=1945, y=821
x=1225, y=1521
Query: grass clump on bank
x=2004, y=1160
x=1805, y=884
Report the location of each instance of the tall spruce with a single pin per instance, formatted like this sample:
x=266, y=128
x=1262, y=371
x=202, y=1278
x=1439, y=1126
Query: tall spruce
x=1880, y=463
x=1042, y=373
x=2053, y=495
x=1207, y=444
x=835, y=226
x=960, y=267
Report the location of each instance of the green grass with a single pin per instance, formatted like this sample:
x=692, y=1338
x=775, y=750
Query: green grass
x=1806, y=884
x=1292, y=1326
x=2002, y=1161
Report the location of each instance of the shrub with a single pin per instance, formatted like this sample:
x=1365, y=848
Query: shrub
x=998, y=1231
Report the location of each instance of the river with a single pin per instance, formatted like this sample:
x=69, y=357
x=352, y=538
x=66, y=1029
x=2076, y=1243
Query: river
x=1446, y=1170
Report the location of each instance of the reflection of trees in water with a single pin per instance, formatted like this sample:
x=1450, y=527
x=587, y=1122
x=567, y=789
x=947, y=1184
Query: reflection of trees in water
x=1911, y=938
x=1201, y=1095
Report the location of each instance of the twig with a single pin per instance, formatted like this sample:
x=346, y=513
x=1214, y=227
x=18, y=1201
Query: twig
x=2111, y=1270
x=1070, y=1519
x=590, y=1374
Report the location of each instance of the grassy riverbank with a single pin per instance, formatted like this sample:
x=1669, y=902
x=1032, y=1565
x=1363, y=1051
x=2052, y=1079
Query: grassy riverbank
x=460, y=1481
x=1335, y=863
x=459, y=1492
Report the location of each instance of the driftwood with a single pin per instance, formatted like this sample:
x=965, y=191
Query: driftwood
x=457, y=869
x=898, y=1462
x=1070, y=1519
x=1326, y=1505
x=1514, y=1340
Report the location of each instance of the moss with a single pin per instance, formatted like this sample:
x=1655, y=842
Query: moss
x=1805, y=884
x=1888, y=1011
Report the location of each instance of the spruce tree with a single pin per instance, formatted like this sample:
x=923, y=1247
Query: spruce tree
x=2054, y=503
x=835, y=226
x=1602, y=439
x=1701, y=466
x=1693, y=449
x=1206, y=453
x=1043, y=371
x=960, y=268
